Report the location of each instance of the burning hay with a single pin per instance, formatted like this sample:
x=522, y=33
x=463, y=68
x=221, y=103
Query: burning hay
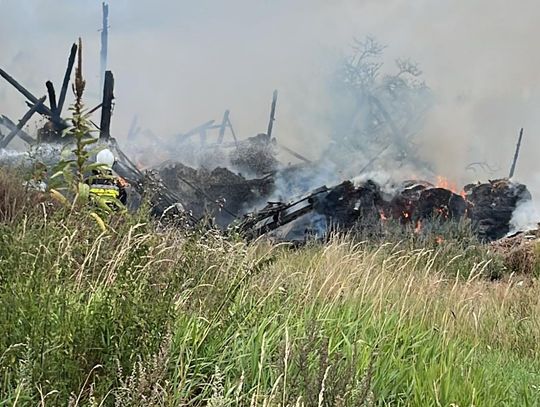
x=492, y=205
x=347, y=206
x=420, y=200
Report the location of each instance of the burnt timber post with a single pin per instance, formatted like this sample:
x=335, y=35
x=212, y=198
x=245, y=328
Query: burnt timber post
x=41, y=108
x=67, y=77
x=516, y=154
x=272, y=115
x=22, y=123
x=52, y=96
x=104, y=42
x=6, y=121
x=223, y=127
x=18, y=86
x=106, y=107
x=232, y=132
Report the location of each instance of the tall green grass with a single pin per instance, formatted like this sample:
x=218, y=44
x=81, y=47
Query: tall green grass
x=138, y=315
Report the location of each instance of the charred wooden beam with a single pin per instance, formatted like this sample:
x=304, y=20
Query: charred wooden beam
x=104, y=42
x=278, y=214
x=95, y=125
x=94, y=109
x=10, y=125
x=18, y=86
x=516, y=154
x=208, y=197
x=223, y=126
x=52, y=95
x=106, y=108
x=295, y=154
x=272, y=115
x=232, y=131
x=196, y=130
x=67, y=77
x=41, y=108
x=21, y=123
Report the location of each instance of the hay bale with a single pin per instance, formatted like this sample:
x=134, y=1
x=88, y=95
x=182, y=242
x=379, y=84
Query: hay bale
x=520, y=253
x=492, y=205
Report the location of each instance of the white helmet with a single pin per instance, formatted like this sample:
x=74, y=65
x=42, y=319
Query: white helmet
x=105, y=157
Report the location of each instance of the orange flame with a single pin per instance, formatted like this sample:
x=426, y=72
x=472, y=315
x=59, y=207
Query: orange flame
x=123, y=182
x=418, y=227
x=443, y=182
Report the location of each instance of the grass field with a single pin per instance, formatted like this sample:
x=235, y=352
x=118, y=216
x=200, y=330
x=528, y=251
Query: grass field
x=137, y=315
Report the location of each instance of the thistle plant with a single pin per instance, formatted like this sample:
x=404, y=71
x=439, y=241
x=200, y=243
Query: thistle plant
x=69, y=180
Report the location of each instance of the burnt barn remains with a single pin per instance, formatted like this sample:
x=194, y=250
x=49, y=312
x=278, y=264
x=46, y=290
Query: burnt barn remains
x=364, y=206
x=237, y=184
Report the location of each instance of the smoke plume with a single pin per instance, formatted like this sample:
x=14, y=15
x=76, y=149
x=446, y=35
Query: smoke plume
x=180, y=63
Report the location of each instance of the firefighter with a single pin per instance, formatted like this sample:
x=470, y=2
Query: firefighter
x=104, y=184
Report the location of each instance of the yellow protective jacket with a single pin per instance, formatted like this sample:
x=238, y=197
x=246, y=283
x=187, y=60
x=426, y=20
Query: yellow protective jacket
x=107, y=187
x=105, y=191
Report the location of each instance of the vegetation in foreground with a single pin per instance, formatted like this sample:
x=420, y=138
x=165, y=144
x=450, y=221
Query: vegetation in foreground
x=131, y=315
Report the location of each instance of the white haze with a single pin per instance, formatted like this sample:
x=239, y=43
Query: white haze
x=179, y=63
x=525, y=217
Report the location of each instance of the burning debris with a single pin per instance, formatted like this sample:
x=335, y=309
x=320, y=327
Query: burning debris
x=346, y=206
x=418, y=200
x=230, y=178
x=257, y=155
x=219, y=194
x=492, y=205
x=227, y=196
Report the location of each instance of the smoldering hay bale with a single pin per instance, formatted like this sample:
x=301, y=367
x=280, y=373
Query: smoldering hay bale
x=420, y=200
x=347, y=206
x=492, y=204
x=256, y=155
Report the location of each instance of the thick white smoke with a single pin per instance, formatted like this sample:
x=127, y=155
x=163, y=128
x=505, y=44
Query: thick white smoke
x=179, y=63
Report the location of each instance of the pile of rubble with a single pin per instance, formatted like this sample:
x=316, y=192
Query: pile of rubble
x=219, y=194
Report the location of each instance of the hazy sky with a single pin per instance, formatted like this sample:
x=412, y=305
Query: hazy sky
x=180, y=63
